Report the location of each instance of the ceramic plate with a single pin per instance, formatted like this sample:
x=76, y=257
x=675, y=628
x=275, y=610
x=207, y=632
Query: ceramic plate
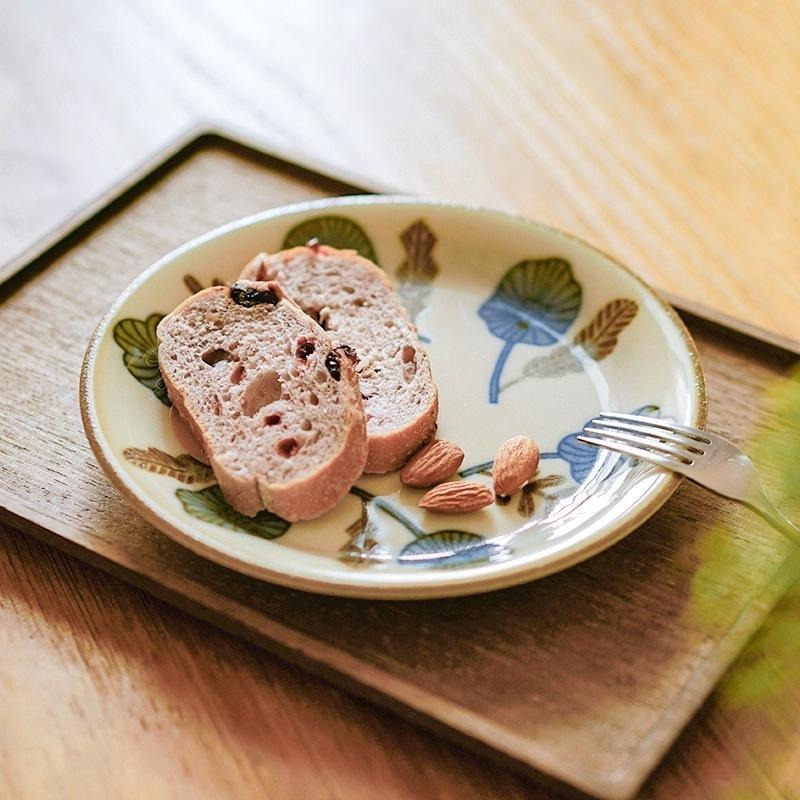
x=529, y=330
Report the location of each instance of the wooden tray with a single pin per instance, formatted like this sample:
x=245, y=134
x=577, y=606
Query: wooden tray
x=583, y=678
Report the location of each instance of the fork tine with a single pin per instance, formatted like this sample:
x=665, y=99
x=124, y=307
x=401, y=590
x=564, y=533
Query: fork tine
x=693, y=433
x=666, y=434
x=636, y=452
x=644, y=442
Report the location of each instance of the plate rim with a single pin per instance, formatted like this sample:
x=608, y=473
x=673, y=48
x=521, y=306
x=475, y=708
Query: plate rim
x=425, y=584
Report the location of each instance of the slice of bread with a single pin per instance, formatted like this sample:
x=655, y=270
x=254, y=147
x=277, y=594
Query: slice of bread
x=273, y=401
x=186, y=439
x=354, y=301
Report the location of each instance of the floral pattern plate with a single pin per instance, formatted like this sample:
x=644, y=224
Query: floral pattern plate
x=529, y=331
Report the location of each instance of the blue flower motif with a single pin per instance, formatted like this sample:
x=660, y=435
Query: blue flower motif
x=450, y=548
x=534, y=303
x=580, y=456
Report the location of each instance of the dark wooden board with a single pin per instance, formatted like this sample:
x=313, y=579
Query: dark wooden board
x=585, y=677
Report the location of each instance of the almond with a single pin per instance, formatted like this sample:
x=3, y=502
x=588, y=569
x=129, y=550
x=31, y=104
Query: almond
x=516, y=461
x=457, y=497
x=435, y=462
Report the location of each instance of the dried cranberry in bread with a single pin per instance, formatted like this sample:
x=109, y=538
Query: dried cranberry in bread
x=274, y=403
x=354, y=301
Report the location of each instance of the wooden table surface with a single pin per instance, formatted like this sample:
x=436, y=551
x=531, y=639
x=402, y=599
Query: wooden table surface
x=664, y=132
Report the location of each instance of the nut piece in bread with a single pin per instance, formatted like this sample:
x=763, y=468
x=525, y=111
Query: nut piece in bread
x=272, y=399
x=353, y=300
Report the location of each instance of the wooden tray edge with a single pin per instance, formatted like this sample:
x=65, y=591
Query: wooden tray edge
x=452, y=722
x=148, y=172
x=623, y=783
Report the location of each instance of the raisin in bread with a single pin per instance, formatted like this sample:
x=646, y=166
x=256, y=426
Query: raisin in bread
x=273, y=402
x=354, y=301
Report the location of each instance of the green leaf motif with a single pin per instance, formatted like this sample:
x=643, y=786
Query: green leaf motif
x=137, y=338
x=335, y=231
x=449, y=549
x=209, y=505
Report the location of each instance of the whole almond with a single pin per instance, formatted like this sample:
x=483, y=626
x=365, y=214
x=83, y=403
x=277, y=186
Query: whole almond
x=515, y=462
x=432, y=464
x=457, y=497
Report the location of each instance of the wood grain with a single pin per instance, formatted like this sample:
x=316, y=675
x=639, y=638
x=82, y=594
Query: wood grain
x=592, y=704
x=170, y=707
x=664, y=132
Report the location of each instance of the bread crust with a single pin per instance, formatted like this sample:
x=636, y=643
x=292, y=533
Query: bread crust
x=310, y=494
x=183, y=433
x=390, y=446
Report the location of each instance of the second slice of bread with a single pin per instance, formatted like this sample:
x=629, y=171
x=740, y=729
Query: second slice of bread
x=272, y=400
x=353, y=300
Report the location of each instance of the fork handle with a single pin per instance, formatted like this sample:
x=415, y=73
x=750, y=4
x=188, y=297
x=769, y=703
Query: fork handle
x=763, y=506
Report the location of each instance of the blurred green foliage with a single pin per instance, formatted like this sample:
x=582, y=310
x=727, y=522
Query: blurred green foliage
x=755, y=678
x=758, y=696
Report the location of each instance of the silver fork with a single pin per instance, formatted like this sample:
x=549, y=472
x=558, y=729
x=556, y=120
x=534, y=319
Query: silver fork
x=706, y=458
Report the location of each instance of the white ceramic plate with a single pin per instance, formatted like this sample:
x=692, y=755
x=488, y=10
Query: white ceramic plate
x=530, y=331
